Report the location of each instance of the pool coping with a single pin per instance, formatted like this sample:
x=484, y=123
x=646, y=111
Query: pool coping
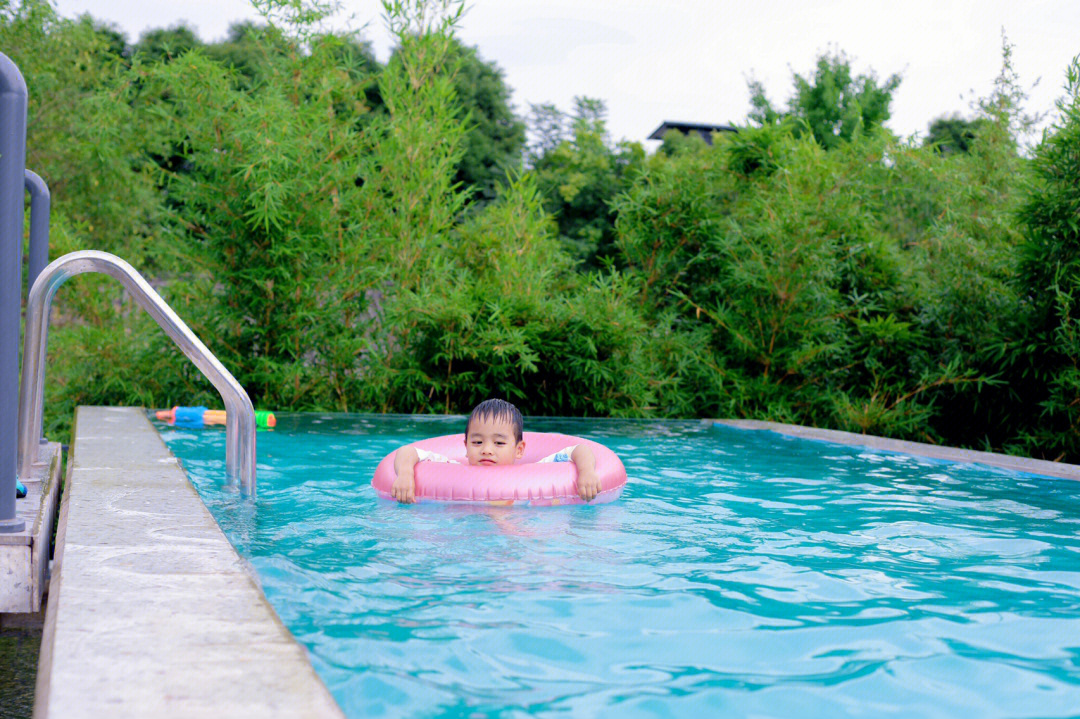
x=151, y=611
x=919, y=449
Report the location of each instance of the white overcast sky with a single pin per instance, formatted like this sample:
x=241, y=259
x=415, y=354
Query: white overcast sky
x=655, y=60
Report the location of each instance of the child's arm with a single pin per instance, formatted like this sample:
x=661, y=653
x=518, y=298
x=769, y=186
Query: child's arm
x=404, y=488
x=588, y=481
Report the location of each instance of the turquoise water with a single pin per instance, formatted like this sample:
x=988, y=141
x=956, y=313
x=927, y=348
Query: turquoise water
x=741, y=574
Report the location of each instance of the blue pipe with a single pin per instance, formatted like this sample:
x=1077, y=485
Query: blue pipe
x=12, y=189
x=40, y=199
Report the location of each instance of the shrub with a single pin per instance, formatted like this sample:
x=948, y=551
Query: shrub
x=1045, y=356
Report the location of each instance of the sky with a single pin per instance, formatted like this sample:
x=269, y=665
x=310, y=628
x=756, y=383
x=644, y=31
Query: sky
x=689, y=60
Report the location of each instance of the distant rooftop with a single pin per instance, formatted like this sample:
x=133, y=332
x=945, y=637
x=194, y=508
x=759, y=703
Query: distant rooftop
x=704, y=130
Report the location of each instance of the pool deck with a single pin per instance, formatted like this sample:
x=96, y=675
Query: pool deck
x=919, y=449
x=151, y=611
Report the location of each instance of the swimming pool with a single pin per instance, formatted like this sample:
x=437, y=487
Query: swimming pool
x=741, y=573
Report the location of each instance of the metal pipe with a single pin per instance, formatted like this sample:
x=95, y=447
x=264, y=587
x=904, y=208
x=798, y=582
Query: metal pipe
x=240, y=422
x=12, y=163
x=38, y=255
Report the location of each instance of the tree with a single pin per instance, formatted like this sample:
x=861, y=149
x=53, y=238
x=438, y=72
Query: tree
x=113, y=41
x=953, y=135
x=246, y=47
x=581, y=174
x=832, y=104
x=547, y=128
x=675, y=143
x=496, y=137
x=166, y=43
x=250, y=48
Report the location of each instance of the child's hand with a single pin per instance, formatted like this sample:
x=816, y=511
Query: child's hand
x=588, y=484
x=404, y=488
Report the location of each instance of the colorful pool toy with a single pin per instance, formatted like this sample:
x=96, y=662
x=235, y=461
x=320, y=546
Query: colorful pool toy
x=199, y=416
x=527, y=482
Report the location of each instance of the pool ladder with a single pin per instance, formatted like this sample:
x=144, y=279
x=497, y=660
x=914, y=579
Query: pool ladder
x=240, y=414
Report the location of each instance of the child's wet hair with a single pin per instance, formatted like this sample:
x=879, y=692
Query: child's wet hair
x=498, y=409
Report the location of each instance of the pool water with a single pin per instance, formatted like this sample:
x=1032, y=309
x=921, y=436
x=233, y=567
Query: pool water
x=742, y=573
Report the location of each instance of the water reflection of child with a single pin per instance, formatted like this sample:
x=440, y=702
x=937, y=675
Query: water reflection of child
x=493, y=438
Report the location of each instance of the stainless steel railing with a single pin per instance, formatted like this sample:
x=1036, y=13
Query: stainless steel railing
x=240, y=414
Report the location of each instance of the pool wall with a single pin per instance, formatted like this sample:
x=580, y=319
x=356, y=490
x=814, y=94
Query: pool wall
x=919, y=449
x=151, y=612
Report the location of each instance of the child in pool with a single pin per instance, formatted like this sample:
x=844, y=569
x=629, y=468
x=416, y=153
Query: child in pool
x=493, y=438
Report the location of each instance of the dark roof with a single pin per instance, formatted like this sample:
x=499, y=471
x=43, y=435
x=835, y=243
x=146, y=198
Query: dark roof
x=686, y=128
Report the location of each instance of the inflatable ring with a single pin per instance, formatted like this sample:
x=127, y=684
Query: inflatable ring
x=528, y=481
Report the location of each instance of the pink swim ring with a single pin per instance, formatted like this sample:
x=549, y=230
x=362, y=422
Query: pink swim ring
x=525, y=482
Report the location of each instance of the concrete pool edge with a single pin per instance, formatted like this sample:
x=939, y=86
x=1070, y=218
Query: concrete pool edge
x=151, y=611
x=919, y=449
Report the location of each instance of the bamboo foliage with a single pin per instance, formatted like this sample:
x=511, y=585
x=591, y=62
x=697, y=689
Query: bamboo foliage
x=324, y=250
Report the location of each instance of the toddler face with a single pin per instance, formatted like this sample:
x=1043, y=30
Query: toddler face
x=490, y=442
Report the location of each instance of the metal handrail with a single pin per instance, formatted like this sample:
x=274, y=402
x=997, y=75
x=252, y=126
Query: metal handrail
x=240, y=414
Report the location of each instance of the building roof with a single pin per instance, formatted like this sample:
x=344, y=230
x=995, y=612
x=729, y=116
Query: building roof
x=705, y=130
